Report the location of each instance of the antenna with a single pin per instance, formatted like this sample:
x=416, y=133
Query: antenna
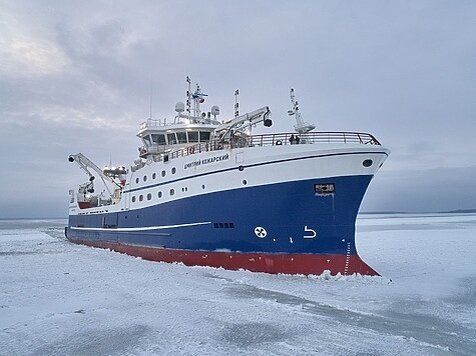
x=301, y=127
x=189, y=96
x=237, y=104
x=150, y=103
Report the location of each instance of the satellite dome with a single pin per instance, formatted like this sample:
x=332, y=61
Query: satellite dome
x=180, y=107
x=215, y=110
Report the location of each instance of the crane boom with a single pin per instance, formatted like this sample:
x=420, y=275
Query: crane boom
x=240, y=122
x=86, y=165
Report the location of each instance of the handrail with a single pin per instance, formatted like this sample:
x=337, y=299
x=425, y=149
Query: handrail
x=264, y=140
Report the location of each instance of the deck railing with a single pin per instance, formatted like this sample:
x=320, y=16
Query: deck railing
x=262, y=140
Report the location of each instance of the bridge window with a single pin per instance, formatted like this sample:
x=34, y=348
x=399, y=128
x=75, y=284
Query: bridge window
x=192, y=136
x=158, y=139
x=171, y=138
x=204, y=136
x=182, y=137
x=146, y=139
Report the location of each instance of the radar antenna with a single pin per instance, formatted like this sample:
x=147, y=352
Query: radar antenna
x=197, y=97
x=237, y=104
x=301, y=127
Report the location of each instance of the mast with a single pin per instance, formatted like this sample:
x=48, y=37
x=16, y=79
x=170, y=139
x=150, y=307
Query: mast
x=301, y=127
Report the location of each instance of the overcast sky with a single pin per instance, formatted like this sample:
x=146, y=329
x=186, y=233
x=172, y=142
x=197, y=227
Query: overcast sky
x=75, y=76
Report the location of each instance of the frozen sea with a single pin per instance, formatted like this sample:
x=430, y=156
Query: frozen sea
x=57, y=298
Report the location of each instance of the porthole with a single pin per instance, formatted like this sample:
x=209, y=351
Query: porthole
x=159, y=194
x=154, y=175
x=367, y=163
x=149, y=196
x=203, y=186
x=172, y=191
x=163, y=173
x=174, y=170
x=141, y=197
x=241, y=168
x=134, y=199
x=137, y=180
x=245, y=182
x=144, y=178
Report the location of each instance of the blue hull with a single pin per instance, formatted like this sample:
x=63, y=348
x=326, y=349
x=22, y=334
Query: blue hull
x=289, y=212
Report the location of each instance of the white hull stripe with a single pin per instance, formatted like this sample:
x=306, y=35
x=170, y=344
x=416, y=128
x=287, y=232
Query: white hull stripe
x=254, y=165
x=146, y=228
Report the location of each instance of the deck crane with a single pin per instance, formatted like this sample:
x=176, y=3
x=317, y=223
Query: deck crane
x=226, y=130
x=87, y=165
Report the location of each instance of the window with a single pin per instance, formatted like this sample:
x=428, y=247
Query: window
x=137, y=180
x=171, y=138
x=154, y=175
x=203, y=186
x=141, y=197
x=367, y=163
x=172, y=191
x=134, y=199
x=163, y=173
x=147, y=140
x=159, y=194
x=158, y=139
x=182, y=137
x=145, y=178
x=204, y=136
x=149, y=196
x=245, y=182
x=174, y=170
x=192, y=136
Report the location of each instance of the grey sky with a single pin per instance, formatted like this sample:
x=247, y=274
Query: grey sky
x=76, y=77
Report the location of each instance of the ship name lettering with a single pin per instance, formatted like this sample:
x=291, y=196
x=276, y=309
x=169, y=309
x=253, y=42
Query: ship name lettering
x=192, y=164
x=216, y=159
x=206, y=161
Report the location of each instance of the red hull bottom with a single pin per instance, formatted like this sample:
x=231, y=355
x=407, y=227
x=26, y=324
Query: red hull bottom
x=256, y=262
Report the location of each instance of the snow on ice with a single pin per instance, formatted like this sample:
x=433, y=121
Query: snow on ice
x=57, y=298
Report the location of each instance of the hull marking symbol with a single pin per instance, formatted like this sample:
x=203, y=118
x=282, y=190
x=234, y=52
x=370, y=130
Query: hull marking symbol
x=260, y=232
x=311, y=231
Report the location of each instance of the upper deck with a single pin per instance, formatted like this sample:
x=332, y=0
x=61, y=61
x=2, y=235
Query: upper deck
x=278, y=139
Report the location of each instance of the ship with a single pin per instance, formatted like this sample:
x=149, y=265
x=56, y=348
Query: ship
x=209, y=192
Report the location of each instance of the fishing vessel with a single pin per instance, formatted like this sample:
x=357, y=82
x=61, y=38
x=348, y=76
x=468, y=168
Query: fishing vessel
x=205, y=191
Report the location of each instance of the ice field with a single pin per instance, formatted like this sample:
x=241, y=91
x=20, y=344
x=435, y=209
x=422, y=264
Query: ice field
x=57, y=298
